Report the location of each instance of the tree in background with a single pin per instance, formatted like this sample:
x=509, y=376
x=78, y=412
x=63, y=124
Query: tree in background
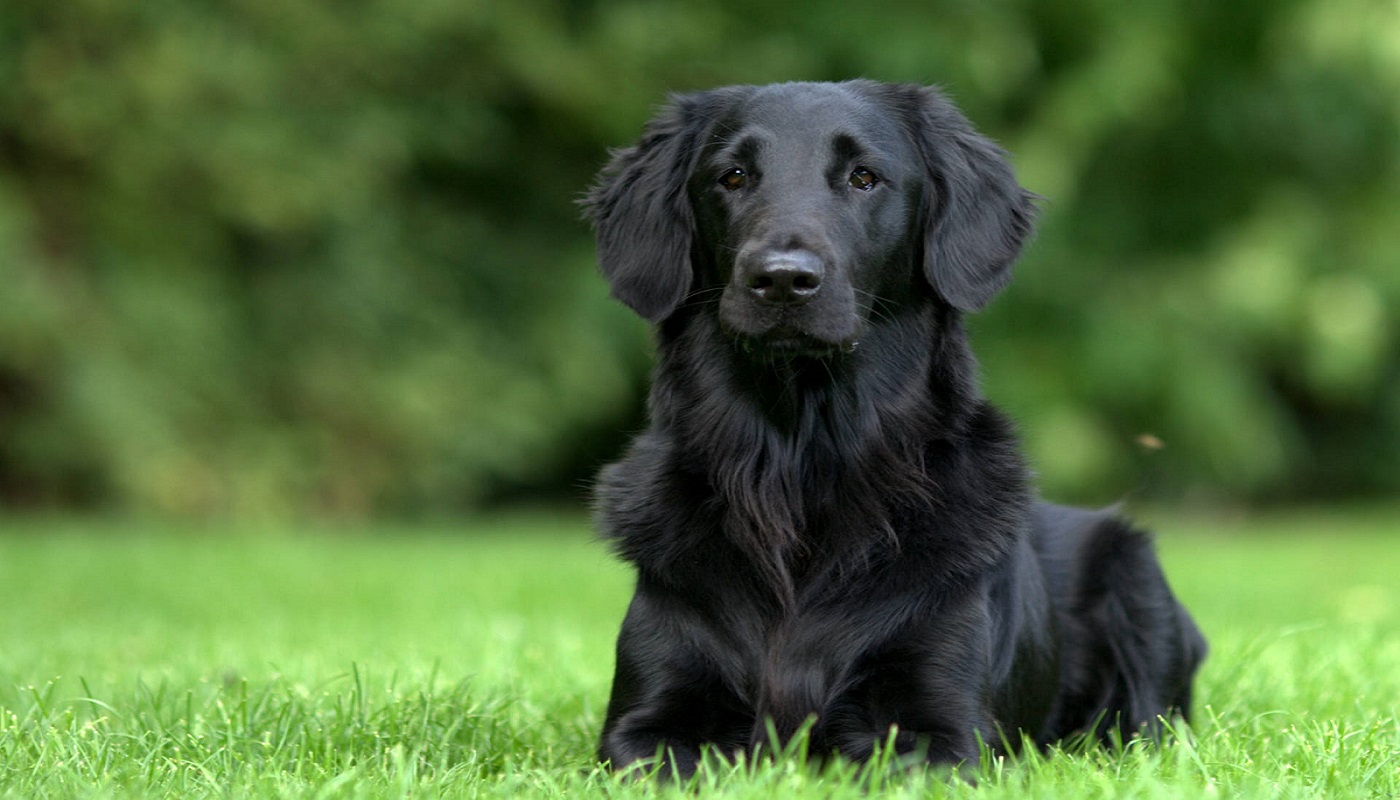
x=268, y=257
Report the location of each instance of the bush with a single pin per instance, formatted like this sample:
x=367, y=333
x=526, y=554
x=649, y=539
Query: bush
x=276, y=257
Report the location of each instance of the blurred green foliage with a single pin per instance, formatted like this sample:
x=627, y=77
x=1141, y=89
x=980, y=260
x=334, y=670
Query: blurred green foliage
x=268, y=257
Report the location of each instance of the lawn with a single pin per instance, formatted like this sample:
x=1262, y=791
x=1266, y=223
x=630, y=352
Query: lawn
x=473, y=660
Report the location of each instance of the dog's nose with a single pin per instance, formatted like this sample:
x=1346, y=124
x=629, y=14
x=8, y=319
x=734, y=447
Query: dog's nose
x=788, y=278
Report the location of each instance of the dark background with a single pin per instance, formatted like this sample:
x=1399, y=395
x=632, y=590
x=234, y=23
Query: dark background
x=282, y=258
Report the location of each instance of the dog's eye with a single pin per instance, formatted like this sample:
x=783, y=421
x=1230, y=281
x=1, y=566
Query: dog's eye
x=734, y=179
x=863, y=179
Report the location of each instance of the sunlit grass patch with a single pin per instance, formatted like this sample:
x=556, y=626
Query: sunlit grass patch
x=474, y=661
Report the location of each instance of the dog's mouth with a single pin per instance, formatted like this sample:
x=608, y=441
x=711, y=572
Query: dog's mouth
x=787, y=343
x=826, y=327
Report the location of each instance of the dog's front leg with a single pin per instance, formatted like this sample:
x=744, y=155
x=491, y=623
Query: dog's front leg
x=915, y=670
x=668, y=700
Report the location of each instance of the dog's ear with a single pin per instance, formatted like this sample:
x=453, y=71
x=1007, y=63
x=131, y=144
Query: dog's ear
x=978, y=215
x=642, y=215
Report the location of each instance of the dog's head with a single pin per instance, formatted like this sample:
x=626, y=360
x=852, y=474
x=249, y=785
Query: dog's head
x=799, y=210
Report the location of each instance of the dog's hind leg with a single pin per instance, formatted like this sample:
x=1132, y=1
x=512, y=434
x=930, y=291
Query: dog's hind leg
x=1131, y=650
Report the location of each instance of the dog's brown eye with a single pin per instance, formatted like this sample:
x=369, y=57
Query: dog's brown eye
x=863, y=179
x=734, y=179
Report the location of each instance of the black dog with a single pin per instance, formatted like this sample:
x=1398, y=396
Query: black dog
x=831, y=527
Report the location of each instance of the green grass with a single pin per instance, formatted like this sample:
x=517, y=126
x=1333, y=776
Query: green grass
x=474, y=660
